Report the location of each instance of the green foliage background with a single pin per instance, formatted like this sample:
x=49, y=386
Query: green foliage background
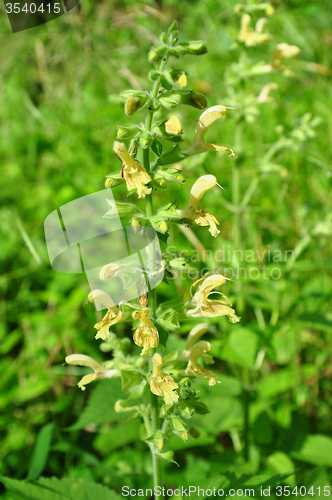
x=58, y=116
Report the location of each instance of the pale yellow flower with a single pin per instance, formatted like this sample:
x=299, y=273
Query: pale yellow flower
x=108, y=271
x=192, y=338
x=183, y=80
x=135, y=175
x=196, y=369
x=146, y=335
x=211, y=307
x=281, y=52
x=173, y=126
x=113, y=315
x=249, y=37
x=83, y=360
x=206, y=119
x=162, y=384
x=264, y=93
x=195, y=211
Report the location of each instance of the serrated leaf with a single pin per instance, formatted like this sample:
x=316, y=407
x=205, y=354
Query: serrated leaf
x=100, y=407
x=129, y=378
x=58, y=489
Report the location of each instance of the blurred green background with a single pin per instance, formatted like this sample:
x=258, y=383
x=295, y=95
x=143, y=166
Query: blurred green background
x=58, y=116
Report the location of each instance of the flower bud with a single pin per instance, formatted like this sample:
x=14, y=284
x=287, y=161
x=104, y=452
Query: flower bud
x=157, y=53
x=109, y=183
x=108, y=271
x=195, y=47
x=136, y=224
x=126, y=131
x=163, y=38
x=179, y=428
x=170, y=101
x=132, y=104
x=145, y=140
x=163, y=226
x=173, y=126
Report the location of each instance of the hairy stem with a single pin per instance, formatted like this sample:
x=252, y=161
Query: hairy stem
x=155, y=424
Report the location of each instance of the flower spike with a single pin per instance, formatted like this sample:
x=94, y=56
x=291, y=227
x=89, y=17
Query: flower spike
x=135, y=175
x=206, y=119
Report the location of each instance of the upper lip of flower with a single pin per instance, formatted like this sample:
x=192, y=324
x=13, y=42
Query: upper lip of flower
x=195, y=211
x=83, y=360
x=194, y=368
x=206, y=119
x=212, y=307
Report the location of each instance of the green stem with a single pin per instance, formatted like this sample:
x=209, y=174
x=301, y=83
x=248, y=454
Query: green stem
x=156, y=462
x=246, y=403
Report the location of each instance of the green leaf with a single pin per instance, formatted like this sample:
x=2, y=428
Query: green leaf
x=241, y=347
x=100, y=408
x=139, y=94
x=157, y=147
x=167, y=456
x=316, y=449
x=237, y=482
x=316, y=321
x=129, y=379
x=262, y=430
x=169, y=320
x=278, y=382
x=119, y=209
x=58, y=489
x=163, y=335
x=169, y=211
x=41, y=451
x=280, y=463
x=172, y=155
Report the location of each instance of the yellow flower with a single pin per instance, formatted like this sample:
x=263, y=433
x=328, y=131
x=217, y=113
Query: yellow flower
x=173, y=126
x=281, y=52
x=192, y=338
x=146, y=335
x=82, y=360
x=135, y=175
x=212, y=307
x=113, y=315
x=195, y=211
x=264, y=93
x=182, y=80
x=196, y=369
x=206, y=119
x=108, y=271
x=162, y=384
x=252, y=38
